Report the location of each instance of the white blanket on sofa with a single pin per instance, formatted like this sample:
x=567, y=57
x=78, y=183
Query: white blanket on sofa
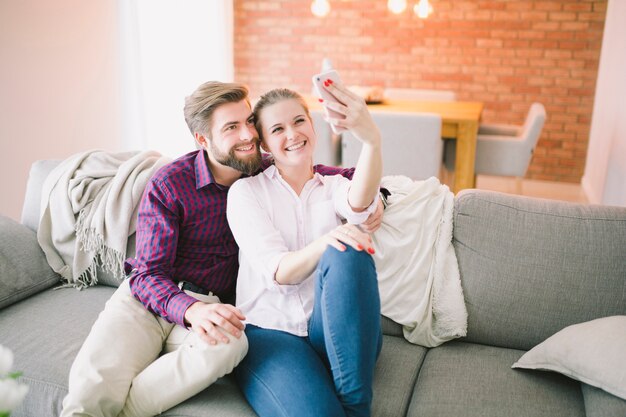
x=418, y=274
x=93, y=198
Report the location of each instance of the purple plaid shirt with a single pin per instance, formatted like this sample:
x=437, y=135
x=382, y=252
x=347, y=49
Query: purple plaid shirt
x=183, y=235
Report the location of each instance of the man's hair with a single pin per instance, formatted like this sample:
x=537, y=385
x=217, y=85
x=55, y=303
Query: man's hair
x=273, y=97
x=201, y=104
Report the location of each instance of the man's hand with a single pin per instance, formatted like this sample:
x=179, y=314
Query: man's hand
x=210, y=321
x=374, y=220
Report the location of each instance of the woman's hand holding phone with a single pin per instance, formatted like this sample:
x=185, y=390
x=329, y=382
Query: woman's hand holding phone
x=353, y=114
x=320, y=81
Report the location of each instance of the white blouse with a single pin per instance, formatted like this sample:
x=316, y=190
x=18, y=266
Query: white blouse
x=268, y=221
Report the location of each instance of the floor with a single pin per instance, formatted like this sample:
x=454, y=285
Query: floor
x=532, y=188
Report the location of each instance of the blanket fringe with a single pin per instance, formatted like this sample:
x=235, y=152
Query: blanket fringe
x=107, y=258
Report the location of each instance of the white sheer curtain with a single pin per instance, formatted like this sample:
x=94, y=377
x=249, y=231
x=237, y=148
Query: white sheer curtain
x=169, y=48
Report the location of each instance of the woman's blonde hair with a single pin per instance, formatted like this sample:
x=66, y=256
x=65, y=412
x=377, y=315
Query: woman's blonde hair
x=273, y=97
x=201, y=104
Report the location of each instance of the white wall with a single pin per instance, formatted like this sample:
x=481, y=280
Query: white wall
x=58, y=86
x=169, y=48
x=604, y=180
x=108, y=74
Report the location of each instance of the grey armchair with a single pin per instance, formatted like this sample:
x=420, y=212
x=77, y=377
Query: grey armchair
x=504, y=150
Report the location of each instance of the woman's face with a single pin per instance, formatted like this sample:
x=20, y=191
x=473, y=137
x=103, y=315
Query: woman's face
x=288, y=133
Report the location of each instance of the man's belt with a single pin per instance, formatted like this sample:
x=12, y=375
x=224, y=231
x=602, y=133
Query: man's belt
x=188, y=286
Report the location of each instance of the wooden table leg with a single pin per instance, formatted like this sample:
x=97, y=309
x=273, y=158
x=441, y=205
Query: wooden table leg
x=464, y=176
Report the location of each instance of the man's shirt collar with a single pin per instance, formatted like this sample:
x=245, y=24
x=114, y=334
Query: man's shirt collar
x=204, y=176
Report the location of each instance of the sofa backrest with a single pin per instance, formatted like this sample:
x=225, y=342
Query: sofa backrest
x=32, y=205
x=530, y=267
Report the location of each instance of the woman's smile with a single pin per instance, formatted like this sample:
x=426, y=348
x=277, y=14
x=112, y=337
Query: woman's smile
x=296, y=146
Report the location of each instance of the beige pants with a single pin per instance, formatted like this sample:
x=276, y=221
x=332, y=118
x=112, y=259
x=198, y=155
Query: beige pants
x=134, y=363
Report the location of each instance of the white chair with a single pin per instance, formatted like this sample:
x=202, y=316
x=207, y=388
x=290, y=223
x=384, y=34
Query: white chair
x=419, y=94
x=328, y=148
x=504, y=150
x=411, y=144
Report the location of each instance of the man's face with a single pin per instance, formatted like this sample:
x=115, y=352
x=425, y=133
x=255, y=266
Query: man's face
x=234, y=141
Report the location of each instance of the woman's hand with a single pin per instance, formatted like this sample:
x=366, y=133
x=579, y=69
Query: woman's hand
x=296, y=266
x=348, y=234
x=357, y=117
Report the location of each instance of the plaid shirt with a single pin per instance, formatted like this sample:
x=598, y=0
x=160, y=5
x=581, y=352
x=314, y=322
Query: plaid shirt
x=183, y=235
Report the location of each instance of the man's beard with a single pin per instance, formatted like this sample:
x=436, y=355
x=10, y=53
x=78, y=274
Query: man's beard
x=248, y=166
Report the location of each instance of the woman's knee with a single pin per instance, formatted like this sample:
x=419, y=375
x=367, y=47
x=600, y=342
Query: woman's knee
x=352, y=266
x=350, y=258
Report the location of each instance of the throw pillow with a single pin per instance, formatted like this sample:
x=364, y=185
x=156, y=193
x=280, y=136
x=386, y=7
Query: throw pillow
x=593, y=352
x=23, y=267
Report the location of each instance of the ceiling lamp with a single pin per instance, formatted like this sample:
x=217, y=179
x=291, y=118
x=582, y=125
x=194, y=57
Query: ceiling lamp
x=423, y=9
x=396, y=6
x=320, y=8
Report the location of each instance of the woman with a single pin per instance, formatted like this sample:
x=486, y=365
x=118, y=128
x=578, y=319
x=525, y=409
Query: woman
x=306, y=283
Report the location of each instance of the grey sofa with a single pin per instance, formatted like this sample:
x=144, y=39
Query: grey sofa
x=529, y=268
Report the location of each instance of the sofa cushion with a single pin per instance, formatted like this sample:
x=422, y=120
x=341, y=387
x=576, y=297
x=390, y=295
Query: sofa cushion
x=470, y=380
x=593, y=352
x=530, y=267
x=598, y=403
x=390, y=327
x=23, y=266
x=45, y=332
x=394, y=377
x=223, y=398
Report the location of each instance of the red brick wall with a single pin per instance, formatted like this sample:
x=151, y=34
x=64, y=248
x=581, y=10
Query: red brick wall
x=505, y=53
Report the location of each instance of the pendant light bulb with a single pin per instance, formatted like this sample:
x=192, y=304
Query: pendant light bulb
x=320, y=8
x=423, y=9
x=396, y=6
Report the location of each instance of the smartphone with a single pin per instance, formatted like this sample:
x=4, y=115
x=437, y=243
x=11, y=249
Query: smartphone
x=318, y=83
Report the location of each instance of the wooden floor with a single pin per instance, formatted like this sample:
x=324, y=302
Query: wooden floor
x=532, y=188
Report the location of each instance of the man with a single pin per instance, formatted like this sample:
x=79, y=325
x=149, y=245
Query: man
x=185, y=267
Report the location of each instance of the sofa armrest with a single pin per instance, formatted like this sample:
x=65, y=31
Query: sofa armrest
x=32, y=200
x=24, y=270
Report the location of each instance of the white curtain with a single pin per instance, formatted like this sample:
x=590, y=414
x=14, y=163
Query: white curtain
x=168, y=48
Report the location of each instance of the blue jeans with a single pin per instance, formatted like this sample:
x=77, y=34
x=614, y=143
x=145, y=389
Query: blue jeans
x=328, y=373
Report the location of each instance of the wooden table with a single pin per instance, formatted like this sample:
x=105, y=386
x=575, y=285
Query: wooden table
x=459, y=121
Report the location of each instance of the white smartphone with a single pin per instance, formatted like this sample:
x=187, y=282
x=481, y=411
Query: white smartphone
x=318, y=83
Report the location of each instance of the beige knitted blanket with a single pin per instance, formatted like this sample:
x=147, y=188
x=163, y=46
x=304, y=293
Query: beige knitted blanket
x=89, y=209
x=418, y=273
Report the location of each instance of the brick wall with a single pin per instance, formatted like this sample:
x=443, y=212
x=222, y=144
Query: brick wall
x=505, y=53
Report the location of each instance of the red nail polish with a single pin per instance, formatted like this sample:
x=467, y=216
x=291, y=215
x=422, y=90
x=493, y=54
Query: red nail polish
x=321, y=100
x=359, y=247
x=330, y=81
x=326, y=83
x=371, y=251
